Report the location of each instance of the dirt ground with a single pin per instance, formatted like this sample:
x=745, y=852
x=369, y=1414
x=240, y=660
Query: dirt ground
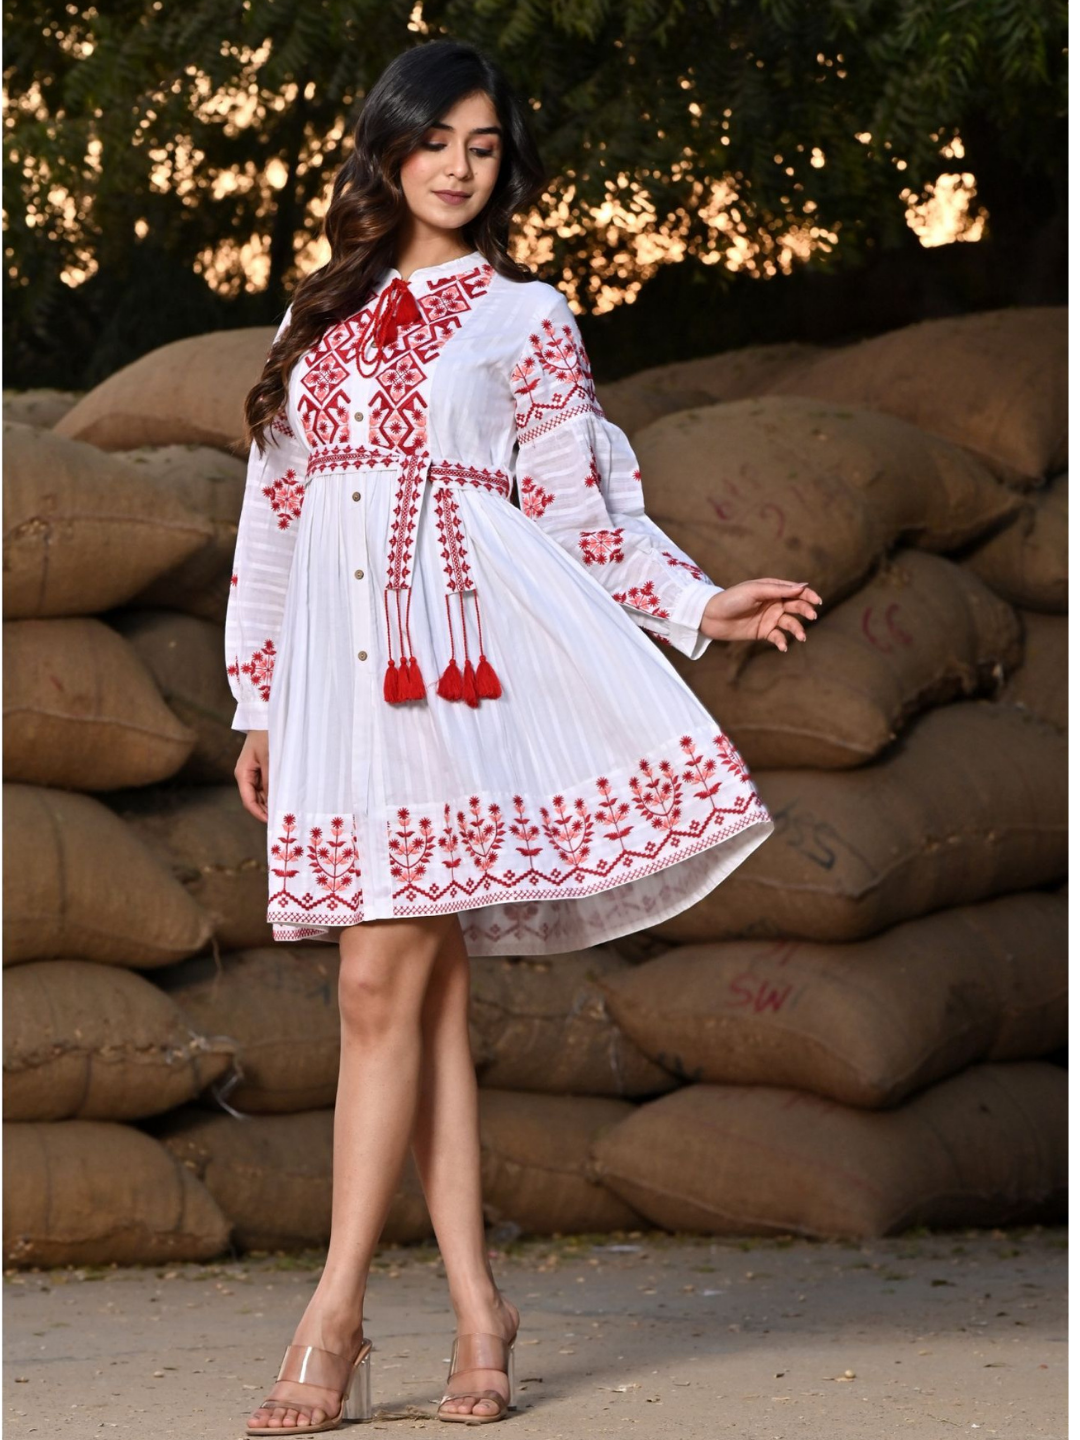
x=642, y=1334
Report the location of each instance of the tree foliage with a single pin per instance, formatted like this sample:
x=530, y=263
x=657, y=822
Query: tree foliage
x=124, y=125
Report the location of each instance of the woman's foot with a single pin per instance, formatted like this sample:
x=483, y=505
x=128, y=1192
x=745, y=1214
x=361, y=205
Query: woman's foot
x=498, y=1317
x=313, y=1403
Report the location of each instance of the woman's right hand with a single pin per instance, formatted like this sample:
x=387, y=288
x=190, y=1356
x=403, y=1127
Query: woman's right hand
x=253, y=773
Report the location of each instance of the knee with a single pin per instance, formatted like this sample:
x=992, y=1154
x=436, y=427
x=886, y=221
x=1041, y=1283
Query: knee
x=373, y=999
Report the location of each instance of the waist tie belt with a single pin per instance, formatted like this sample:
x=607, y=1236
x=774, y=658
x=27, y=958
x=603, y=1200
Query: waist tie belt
x=403, y=680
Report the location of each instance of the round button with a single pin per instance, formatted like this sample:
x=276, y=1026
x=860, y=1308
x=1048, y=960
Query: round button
x=356, y=494
x=359, y=415
x=362, y=654
x=359, y=574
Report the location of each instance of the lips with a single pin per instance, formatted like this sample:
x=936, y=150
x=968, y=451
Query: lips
x=455, y=196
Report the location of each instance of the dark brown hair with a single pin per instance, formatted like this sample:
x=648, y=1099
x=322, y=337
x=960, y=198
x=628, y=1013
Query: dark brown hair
x=415, y=90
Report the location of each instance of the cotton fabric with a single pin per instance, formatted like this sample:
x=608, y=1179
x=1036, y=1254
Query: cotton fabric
x=452, y=491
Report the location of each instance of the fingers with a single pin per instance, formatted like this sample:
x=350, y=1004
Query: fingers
x=778, y=589
x=789, y=622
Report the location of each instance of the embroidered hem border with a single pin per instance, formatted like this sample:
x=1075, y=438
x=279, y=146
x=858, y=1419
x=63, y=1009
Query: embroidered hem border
x=675, y=802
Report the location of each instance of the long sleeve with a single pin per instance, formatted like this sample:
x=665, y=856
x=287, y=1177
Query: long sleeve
x=578, y=478
x=265, y=539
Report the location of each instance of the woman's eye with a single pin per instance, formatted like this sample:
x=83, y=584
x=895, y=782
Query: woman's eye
x=440, y=145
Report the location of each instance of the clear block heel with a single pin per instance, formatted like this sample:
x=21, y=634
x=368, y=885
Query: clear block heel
x=477, y=1351
x=358, y=1400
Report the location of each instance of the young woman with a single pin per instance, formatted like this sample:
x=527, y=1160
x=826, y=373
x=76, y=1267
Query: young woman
x=459, y=734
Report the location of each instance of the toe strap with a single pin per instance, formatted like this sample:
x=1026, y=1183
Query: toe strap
x=479, y=1352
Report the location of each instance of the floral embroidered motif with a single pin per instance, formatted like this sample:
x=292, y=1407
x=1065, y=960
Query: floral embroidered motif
x=695, y=570
x=593, y=476
x=557, y=354
x=259, y=669
x=329, y=863
x=601, y=547
x=671, y=804
x=534, y=498
x=286, y=497
x=280, y=426
x=644, y=598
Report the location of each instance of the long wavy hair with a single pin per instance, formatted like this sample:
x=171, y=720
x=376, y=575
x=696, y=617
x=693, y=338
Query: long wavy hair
x=415, y=90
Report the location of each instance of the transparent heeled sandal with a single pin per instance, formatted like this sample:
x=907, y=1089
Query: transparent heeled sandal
x=479, y=1352
x=313, y=1365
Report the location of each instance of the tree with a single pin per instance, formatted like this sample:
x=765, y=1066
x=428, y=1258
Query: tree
x=167, y=161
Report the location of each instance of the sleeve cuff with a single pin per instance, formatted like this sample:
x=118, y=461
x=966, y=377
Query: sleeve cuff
x=251, y=715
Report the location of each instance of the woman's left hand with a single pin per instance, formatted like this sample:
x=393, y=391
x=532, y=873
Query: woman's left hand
x=765, y=609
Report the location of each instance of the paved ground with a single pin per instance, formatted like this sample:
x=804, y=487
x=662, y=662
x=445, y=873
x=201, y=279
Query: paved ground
x=924, y=1335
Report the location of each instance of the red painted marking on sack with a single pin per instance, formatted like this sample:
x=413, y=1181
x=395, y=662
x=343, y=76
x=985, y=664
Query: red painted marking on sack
x=764, y=997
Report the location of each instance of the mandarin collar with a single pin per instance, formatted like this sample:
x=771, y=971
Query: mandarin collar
x=472, y=258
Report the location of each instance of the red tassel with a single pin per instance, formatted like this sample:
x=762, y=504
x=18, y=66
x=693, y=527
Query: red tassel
x=468, y=685
x=414, y=685
x=391, y=688
x=450, y=681
x=487, y=682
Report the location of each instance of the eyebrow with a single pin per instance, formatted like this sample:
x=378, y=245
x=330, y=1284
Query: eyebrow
x=479, y=130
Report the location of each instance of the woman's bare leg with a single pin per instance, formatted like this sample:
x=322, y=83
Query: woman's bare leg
x=386, y=966
x=446, y=1146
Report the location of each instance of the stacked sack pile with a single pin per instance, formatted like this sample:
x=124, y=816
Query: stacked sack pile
x=843, y=1039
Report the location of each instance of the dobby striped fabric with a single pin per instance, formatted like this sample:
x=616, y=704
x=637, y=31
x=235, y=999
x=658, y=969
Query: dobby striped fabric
x=465, y=709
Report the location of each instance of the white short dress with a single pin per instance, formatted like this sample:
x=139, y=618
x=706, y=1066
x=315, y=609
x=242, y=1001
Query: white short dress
x=449, y=609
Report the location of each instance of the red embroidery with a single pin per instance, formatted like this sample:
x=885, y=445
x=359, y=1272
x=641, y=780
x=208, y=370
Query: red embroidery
x=534, y=498
x=642, y=597
x=593, y=477
x=452, y=536
x=286, y=498
x=329, y=864
x=601, y=547
x=324, y=408
x=259, y=669
x=677, y=805
x=280, y=426
x=663, y=639
x=695, y=570
x=580, y=844
x=397, y=416
x=559, y=356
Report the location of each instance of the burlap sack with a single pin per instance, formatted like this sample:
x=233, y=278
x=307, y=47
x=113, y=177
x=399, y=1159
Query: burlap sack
x=40, y=408
x=792, y=487
x=212, y=485
x=541, y=1024
x=985, y=1147
x=994, y=382
x=970, y=804
x=88, y=1192
x=190, y=392
x=1028, y=561
x=213, y=846
x=272, y=1175
x=83, y=531
x=639, y=399
x=186, y=657
x=96, y=1042
x=866, y=1023
x=1041, y=683
x=918, y=633
x=280, y=1005
x=81, y=710
x=79, y=884
x=535, y=1166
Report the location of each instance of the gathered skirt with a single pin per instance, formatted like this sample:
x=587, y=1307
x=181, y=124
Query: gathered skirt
x=595, y=796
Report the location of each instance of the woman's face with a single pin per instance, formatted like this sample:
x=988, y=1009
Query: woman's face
x=449, y=177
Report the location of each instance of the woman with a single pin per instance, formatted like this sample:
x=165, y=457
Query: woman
x=527, y=780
